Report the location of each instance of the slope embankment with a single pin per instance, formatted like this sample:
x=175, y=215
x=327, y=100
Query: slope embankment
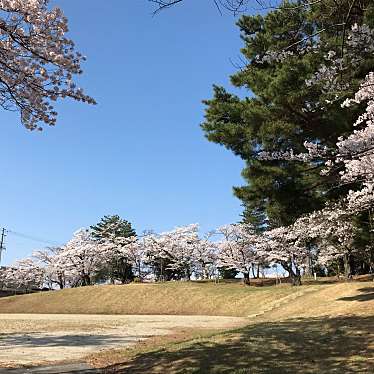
x=173, y=298
x=197, y=298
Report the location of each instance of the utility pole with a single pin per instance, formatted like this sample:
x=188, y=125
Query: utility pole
x=2, y=247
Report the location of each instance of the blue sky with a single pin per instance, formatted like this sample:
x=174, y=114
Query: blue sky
x=140, y=152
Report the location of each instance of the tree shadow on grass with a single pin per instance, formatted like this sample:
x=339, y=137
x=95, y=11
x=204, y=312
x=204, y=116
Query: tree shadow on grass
x=367, y=294
x=309, y=345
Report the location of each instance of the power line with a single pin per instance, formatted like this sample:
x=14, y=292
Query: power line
x=33, y=238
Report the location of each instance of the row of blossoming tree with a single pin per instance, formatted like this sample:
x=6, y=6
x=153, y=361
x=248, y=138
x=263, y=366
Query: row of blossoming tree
x=318, y=239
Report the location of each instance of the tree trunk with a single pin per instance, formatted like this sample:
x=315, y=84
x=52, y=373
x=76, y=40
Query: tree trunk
x=296, y=280
x=253, y=271
x=60, y=282
x=204, y=272
x=139, y=271
x=246, y=278
x=347, y=267
x=86, y=280
x=188, y=274
x=295, y=276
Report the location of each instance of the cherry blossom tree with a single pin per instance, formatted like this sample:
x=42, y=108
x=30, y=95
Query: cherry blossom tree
x=357, y=150
x=205, y=258
x=177, y=248
x=156, y=258
x=180, y=253
x=286, y=246
x=237, y=249
x=126, y=250
x=54, y=272
x=83, y=256
x=37, y=61
x=334, y=232
x=24, y=274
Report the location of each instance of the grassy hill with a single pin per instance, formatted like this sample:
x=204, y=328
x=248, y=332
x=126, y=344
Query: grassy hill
x=189, y=298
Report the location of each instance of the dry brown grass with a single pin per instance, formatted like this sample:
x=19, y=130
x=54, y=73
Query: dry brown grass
x=329, y=330
x=113, y=357
x=311, y=345
x=174, y=298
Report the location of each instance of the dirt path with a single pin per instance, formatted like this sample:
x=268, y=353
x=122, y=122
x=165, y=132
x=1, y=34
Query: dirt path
x=29, y=339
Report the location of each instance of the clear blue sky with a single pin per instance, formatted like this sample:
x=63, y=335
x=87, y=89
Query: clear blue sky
x=140, y=152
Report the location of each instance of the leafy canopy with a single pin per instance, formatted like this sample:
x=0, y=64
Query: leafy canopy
x=280, y=111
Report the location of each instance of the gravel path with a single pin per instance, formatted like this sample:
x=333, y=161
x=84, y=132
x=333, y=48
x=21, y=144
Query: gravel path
x=30, y=339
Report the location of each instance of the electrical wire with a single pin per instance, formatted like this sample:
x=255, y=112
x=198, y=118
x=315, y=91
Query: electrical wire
x=33, y=238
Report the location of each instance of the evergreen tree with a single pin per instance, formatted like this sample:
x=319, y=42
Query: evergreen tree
x=108, y=228
x=281, y=111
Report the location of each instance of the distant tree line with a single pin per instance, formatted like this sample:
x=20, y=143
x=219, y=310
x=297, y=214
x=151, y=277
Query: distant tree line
x=111, y=252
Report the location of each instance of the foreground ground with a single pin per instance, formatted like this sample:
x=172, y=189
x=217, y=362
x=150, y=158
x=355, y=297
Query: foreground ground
x=329, y=329
x=325, y=328
x=37, y=338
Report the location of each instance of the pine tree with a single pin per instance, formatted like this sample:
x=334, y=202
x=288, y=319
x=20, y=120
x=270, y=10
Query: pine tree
x=280, y=111
x=108, y=228
x=112, y=226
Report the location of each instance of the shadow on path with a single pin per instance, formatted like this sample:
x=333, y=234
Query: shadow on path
x=49, y=340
